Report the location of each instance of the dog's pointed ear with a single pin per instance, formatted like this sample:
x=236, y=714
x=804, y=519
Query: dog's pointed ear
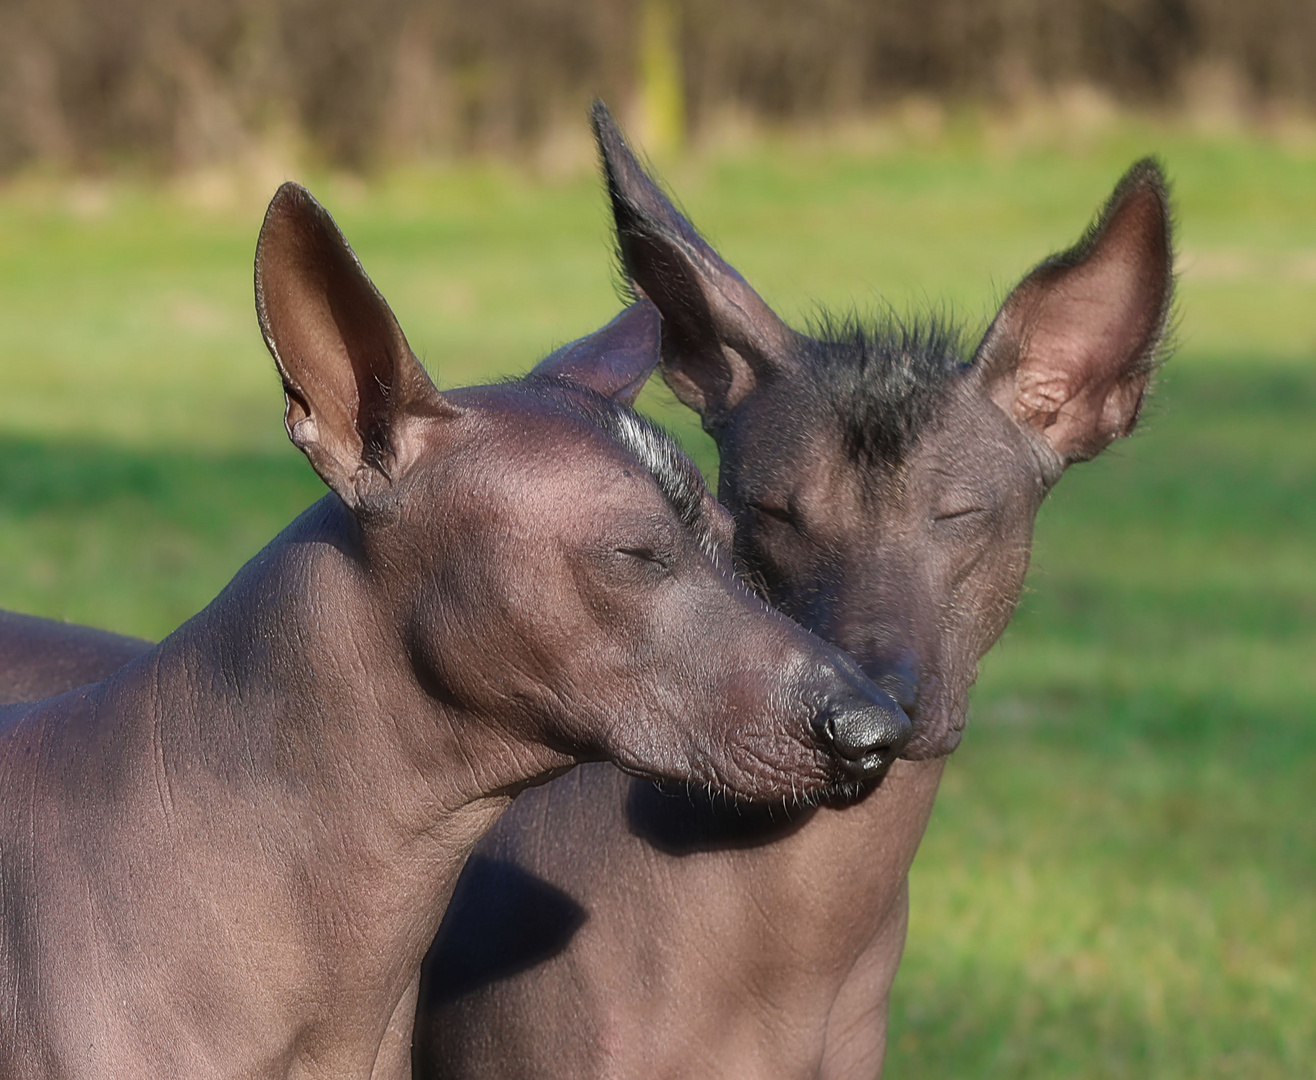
x=615, y=361
x=719, y=337
x=1071, y=352
x=353, y=387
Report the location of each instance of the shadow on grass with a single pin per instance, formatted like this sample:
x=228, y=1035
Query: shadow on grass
x=136, y=540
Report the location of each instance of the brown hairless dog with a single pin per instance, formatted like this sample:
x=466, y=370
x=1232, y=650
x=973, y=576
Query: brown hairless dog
x=884, y=488
x=228, y=858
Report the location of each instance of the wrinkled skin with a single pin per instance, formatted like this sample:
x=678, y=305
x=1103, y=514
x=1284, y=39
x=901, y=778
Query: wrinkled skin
x=228, y=858
x=606, y=930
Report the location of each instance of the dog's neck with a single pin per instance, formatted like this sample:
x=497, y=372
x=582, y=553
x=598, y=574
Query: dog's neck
x=270, y=792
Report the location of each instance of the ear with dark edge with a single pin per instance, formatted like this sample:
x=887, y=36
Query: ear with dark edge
x=615, y=361
x=719, y=337
x=353, y=386
x=1072, y=350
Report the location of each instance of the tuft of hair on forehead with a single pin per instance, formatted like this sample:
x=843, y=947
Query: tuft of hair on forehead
x=657, y=452
x=883, y=378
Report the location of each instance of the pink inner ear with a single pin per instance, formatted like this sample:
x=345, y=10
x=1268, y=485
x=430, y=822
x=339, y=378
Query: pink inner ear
x=312, y=353
x=1088, y=332
x=348, y=370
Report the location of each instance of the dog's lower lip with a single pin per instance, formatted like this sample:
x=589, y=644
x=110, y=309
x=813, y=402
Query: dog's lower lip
x=869, y=767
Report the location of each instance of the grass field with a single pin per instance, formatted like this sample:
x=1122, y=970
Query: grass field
x=1120, y=877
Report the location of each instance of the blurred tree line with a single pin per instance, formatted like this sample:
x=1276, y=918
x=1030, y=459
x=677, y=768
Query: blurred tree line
x=181, y=83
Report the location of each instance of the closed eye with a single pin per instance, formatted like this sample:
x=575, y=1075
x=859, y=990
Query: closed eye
x=777, y=513
x=959, y=515
x=662, y=560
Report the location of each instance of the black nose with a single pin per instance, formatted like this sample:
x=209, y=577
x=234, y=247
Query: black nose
x=857, y=721
x=867, y=737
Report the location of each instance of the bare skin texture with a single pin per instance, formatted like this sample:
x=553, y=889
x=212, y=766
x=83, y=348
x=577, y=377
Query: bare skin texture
x=228, y=858
x=884, y=493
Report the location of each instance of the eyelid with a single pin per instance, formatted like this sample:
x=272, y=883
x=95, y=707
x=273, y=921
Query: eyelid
x=776, y=512
x=954, y=515
x=657, y=555
x=653, y=540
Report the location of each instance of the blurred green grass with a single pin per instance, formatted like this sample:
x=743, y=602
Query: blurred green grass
x=1119, y=876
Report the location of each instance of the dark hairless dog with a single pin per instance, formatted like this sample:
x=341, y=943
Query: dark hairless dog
x=228, y=858
x=884, y=487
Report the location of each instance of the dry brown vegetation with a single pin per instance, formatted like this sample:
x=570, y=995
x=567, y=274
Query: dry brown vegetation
x=181, y=83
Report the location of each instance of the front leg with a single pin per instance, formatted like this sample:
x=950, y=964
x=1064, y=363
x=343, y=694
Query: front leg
x=855, y=1044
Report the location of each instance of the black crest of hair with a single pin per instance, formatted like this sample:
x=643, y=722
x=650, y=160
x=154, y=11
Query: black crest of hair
x=657, y=452
x=883, y=379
